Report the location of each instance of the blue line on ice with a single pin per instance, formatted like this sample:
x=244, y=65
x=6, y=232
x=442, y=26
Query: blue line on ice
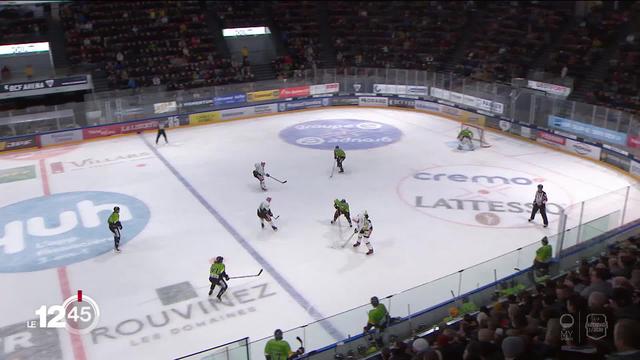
x=297, y=296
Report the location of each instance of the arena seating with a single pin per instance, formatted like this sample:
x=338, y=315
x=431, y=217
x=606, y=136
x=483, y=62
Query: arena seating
x=527, y=326
x=583, y=46
x=19, y=24
x=415, y=35
x=508, y=36
x=300, y=31
x=164, y=42
x=236, y=14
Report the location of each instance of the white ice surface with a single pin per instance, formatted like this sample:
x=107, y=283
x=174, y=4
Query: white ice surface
x=412, y=245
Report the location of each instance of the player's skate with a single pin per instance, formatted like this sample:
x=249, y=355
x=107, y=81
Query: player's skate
x=370, y=252
x=356, y=244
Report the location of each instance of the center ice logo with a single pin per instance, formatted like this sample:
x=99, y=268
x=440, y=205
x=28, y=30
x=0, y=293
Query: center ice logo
x=61, y=229
x=349, y=134
x=483, y=196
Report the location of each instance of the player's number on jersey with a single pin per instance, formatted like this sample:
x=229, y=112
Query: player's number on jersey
x=57, y=321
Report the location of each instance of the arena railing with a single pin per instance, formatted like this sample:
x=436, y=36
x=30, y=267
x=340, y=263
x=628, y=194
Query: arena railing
x=523, y=105
x=426, y=305
x=235, y=350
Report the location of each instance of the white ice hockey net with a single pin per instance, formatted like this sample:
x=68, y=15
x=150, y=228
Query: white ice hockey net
x=478, y=133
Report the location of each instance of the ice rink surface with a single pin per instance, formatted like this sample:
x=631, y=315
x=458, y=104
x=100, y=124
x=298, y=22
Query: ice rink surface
x=435, y=210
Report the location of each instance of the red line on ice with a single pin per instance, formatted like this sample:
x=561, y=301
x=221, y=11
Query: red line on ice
x=63, y=277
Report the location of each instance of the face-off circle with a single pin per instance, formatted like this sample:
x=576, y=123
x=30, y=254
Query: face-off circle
x=483, y=196
x=349, y=134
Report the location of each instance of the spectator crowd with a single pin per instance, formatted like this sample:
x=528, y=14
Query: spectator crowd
x=592, y=312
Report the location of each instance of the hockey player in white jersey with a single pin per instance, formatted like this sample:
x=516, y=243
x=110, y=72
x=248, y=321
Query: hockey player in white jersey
x=264, y=213
x=364, y=228
x=260, y=174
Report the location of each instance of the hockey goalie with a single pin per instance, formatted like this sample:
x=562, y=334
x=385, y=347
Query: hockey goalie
x=465, y=138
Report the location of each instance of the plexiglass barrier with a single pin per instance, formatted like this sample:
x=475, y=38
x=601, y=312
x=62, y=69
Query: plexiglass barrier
x=590, y=218
x=236, y=350
x=585, y=221
x=520, y=104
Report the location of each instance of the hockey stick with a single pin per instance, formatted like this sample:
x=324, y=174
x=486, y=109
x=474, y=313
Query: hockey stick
x=349, y=239
x=280, y=181
x=246, y=276
x=298, y=338
x=333, y=169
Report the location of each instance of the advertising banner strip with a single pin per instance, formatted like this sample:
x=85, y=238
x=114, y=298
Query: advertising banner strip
x=616, y=159
x=634, y=168
x=400, y=89
x=230, y=99
x=587, y=130
x=292, y=92
x=324, y=89
x=263, y=95
x=61, y=137
x=18, y=143
x=303, y=104
x=583, y=149
x=117, y=129
x=427, y=106
x=41, y=87
x=471, y=101
x=204, y=117
x=633, y=141
x=344, y=101
x=553, y=89
x=373, y=101
x=550, y=139
x=164, y=107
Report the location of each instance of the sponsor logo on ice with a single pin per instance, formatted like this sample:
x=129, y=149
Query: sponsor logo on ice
x=62, y=229
x=349, y=134
x=479, y=195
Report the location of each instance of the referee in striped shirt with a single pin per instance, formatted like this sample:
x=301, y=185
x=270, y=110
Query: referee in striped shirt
x=540, y=203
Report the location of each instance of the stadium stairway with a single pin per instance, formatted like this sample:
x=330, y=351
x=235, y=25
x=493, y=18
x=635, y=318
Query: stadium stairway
x=276, y=33
x=58, y=43
x=214, y=25
x=327, y=55
x=263, y=72
x=100, y=82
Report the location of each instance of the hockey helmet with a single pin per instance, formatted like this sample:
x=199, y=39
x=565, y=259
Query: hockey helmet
x=262, y=163
x=278, y=334
x=539, y=186
x=343, y=200
x=116, y=209
x=375, y=301
x=269, y=199
x=366, y=216
x=337, y=147
x=219, y=259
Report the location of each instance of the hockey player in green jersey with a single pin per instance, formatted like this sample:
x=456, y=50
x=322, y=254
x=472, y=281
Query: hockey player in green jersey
x=217, y=276
x=278, y=349
x=115, y=226
x=342, y=208
x=465, y=137
x=339, y=155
